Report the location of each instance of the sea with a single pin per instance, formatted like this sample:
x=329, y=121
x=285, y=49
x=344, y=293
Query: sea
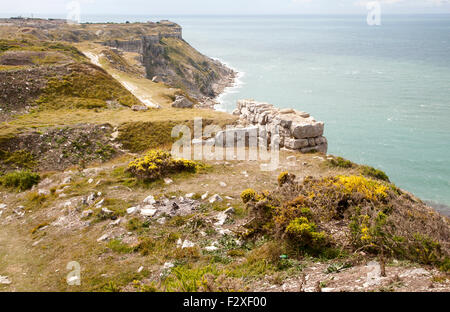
x=383, y=91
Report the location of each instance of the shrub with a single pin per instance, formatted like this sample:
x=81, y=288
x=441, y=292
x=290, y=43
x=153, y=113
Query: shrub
x=374, y=173
x=159, y=164
x=371, y=216
x=282, y=178
x=248, y=195
x=340, y=162
x=22, y=180
x=305, y=234
x=19, y=159
x=369, y=188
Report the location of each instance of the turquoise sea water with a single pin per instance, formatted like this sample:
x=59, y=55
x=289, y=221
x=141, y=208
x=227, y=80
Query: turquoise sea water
x=383, y=92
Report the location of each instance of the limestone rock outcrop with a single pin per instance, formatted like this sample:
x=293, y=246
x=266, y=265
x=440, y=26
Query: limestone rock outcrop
x=297, y=130
x=182, y=102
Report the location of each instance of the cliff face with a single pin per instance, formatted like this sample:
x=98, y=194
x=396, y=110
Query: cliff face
x=166, y=56
x=170, y=59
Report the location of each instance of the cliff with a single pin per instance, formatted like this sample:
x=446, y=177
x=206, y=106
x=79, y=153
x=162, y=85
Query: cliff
x=162, y=51
x=86, y=179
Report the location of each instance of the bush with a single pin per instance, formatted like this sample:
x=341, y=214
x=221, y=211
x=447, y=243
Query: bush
x=369, y=214
x=305, y=234
x=20, y=159
x=248, y=195
x=282, y=178
x=340, y=162
x=285, y=177
x=374, y=173
x=159, y=164
x=22, y=180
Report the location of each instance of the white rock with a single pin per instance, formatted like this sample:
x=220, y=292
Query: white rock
x=107, y=211
x=67, y=180
x=43, y=192
x=211, y=248
x=223, y=232
x=141, y=268
x=222, y=218
x=4, y=280
x=150, y=200
x=168, y=181
x=168, y=265
x=114, y=223
x=161, y=220
x=229, y=211
x=148, y=212
x=132, y=210
x=215, y=198
x=190, y=195
x=3, y=206
x=103, y=238
x=222, y=184
x=86, y=213
x=90, y=181
x=100, y=203
x=204, y=196
x=187, y=244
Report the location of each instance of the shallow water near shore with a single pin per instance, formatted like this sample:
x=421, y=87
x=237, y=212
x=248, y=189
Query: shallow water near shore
x=383, y=92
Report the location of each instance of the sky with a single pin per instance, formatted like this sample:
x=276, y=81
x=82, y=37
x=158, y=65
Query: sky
x=43, y=8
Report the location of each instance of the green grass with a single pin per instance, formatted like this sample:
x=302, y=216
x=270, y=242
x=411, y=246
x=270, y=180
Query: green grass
x=86, y=87
x=20, y=180
x=374, y=173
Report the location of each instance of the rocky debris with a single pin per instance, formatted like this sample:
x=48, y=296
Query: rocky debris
x=165, y=270
x=185, y=244
x=215, y=198
x=19, y=211
x=165, y=207
x=262, y=124
x=182, y=102
x=204, y=196
x=157, y=79
x=87, y=213
x=4, y=280
x=148, y=211
x=414, y=273
x=43, y=192
x=211, y=248
x=91, y=198
x=132, y=210
x=139, y=108
x=61, y=147
x=103, y=238
x=150, y=200
x=229, y=211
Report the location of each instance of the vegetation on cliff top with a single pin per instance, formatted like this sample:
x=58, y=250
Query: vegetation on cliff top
x=374, y=216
